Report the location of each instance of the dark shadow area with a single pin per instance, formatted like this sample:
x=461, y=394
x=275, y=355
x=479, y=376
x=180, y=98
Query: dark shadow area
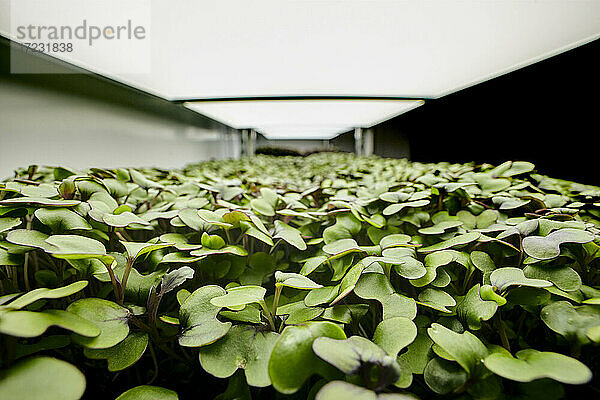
x=546, y=113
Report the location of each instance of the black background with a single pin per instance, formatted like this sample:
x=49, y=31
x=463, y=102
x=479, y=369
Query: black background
x=546, y=113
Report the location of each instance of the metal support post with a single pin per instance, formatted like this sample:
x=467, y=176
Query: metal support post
x=251, y=143
x=235, y=144
x=248, y=142
x=368, y=142
x=358, y=141
x=244, y=136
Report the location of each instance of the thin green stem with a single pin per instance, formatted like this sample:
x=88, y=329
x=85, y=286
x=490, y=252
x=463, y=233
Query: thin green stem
x=520, y=251
x=274, y=246
x=151, y=203
x=15, y=278
x=387, y=269
x=278, y=289
x=126, y=273
x=113, y=279
x=111, y=237
x=240, y=237
x=137, y=322
x=575, y=349
x=155, y=362
x=26, y=271
x=453, y=286
x=34, y=259
x=26, y=262
x=9, y=277
x=269, y=316
x=502, y=332
x=170, y=352
x=362, y=330
x=467, y=280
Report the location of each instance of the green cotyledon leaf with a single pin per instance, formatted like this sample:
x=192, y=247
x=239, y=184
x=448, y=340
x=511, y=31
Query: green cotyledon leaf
x=29, y=238
x=394, y=334
x=531, y=364
x=293, y=361
x=562, y=276
x=345, y=390
x=74, y=246
x=126, y=219
x=436, y=299
x=432, y=262
x=109, y=317
x=297, y=312
x=503, y=278
x=472, y=309
x=443, y=376
x=290, y=234
x=353, y=355
x=29, y=324
x=240, y=296
x=464, y=348
x=341, y=247
x=61, y=219
x=9, y=223
x=198, y=318
x=572, y=322
x=148, y=392
x=548, y=247
x=377, y=287
x=123, y=354
x=346, y=226
x=42, y=378
x=293, y=280
x=243, y=347
x=136, y=250
x=45, y=293
x=38, y=201
x=459, y=240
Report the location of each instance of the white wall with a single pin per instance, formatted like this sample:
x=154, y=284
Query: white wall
x=46, y=127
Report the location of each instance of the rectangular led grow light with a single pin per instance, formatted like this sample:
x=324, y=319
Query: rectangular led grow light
x=320, y=119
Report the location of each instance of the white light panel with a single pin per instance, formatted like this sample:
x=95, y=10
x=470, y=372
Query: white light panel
x=406, y=48
x=277, y=119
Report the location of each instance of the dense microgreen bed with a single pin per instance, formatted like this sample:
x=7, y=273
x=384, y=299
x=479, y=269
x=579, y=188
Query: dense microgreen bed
x=327, y=277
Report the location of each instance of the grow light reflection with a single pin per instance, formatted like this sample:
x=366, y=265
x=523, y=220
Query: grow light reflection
x=316, y=119
x=303, y=132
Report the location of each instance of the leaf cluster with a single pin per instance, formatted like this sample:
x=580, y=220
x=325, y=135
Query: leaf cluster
x=323, y=277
